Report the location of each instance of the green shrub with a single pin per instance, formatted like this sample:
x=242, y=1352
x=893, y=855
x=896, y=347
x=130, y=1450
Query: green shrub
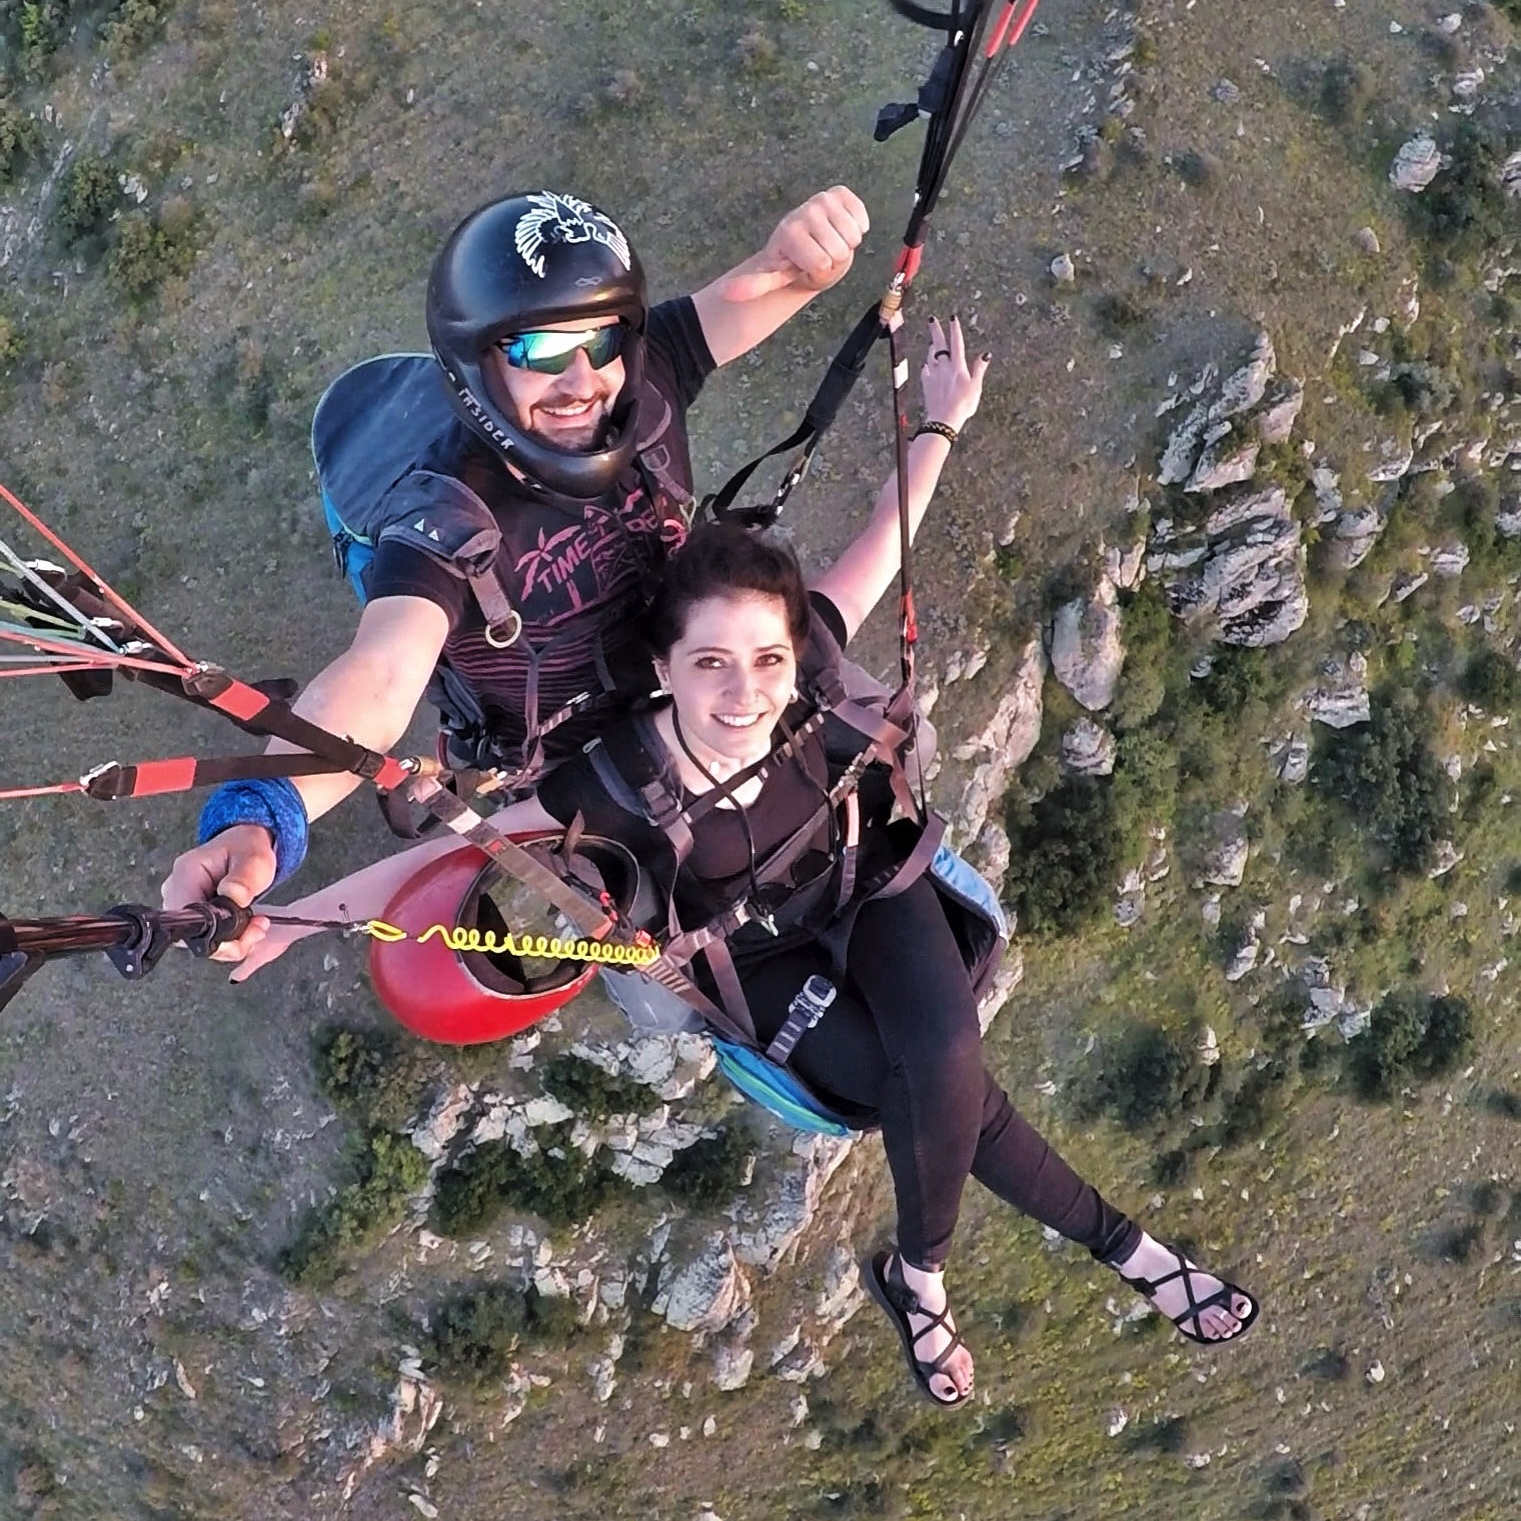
x=34, y=28
x=1459, y=1242
x=558, y=1182
x=1065, y=855
x=390, y=1171
x=1244, y=683
x=1387, y=781
x=1069, y=847
x=1472, y=508
x=12, y=343
x=1464, y=212
x=1329, y=1364
x=1148, y=630
x=20, y=138
x=1143, y=1077
x=475, y=1335
x=712, y=1171
x=1347, y=90
x=1505, y=1102
x=593, y=1092
x=1164, y=1433
x=132, y=25
x=1411, y=1036
x=89, y=193
x=377, y=1077
x=1491, y=681
x=1261, y=1097
x=1419, y=388
x=152, y=248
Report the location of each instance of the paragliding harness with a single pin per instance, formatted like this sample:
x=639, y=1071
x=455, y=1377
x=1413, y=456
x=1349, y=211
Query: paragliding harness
x=630, y=764
x=365, y=431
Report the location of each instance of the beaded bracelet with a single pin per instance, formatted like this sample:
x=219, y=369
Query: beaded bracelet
x=940, y=429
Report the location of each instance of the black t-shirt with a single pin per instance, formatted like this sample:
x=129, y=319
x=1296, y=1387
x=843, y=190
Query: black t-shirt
x=577, y=575
x=717, y=872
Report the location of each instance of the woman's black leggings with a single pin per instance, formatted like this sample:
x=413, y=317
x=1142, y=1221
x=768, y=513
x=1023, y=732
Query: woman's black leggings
x=902, y=1039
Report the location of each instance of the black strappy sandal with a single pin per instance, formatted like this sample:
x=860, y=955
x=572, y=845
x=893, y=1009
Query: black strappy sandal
x=1187, y=1321
x=885, y=1283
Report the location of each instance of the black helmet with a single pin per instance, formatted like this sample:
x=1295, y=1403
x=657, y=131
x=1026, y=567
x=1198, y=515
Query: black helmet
x=517, y=264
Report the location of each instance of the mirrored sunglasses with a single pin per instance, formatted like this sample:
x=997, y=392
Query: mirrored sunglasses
x=551, y=353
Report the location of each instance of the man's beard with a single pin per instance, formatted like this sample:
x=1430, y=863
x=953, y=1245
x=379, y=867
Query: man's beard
x=590, y=437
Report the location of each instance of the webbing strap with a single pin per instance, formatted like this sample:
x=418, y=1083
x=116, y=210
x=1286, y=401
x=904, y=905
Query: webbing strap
x=259, y=713
x=179, y=774
x=839, y=380
x=514, y=859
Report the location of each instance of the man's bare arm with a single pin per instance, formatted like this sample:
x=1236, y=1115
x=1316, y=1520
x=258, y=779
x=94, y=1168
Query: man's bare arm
x=370, y=692
x=811, y=248
x=369, y=695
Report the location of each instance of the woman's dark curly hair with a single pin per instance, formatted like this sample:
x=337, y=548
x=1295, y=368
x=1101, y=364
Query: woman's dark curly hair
x=724, y=560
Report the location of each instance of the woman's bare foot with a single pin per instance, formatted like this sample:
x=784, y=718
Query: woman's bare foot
x=1205, y=1308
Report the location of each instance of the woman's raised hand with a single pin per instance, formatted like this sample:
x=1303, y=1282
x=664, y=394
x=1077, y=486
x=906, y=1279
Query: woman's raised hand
x=952, y=385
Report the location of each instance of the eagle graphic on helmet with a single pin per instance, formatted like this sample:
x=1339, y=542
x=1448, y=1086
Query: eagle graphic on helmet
x=564, y=219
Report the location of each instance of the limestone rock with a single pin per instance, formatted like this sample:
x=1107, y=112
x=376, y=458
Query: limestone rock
x=1451, y=560
x=1225, y=862
x=1447, y=856
x=1007, y=740
x=1326, y=484
x=991, y=852
x=1126, y=568
x=1088, y=749
x=1510, y=174
x=1341, y=699
x=1086, y=649
x=1416, y=164
x=767, y=1232
x=1240, y=571
x=1282, y=403
x=1010, y=973
x=841, y=1294
x=1243, y=390
x=1394, y=463
x=802, y=1362
x=433, y=1134
x=1131, y=903
x=1182, y=450
x=732, y=1363
x=1354, y=536
x=1243, y=962
x=1224, y=466
x=1294, y=766
x=708, y=1292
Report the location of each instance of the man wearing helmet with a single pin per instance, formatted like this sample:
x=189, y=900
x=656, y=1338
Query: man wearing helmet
x=526, y=504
